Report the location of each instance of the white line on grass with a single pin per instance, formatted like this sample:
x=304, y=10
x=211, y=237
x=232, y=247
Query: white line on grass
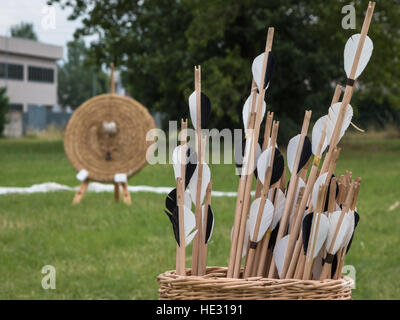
x=95, y=187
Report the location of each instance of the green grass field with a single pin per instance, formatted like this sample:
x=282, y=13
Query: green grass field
x=106, y=250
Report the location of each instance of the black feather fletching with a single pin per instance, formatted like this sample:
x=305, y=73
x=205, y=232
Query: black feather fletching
x=334, y=265
x=272, y=238
x=171, y=201
x=305, y=153
x=191, y=165
x=205, y=111
x=278, y=168
x=328, y=192
x=356, y=220
x=210, y=222
x=269, y=70
x=306, y=229
x=174, y=218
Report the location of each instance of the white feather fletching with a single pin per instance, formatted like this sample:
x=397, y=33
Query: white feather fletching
x=247, y=109
x=177, y=160
x=350, y=52
x=317, y=133
x=341, y=236
x=291, y=151
x=193, y=108
x=266, y=218
x=264, y=162
x=323, y=229
x=332, y=119
x=206, y=176
x=257, y=69
x=350, y=229
x=187, y=201
x=189, y=224
x=319, y=182
x=279, y=253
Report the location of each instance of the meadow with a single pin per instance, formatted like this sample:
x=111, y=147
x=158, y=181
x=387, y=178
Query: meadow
x=107, y=250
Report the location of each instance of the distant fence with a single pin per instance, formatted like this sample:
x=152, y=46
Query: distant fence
x=39, y=118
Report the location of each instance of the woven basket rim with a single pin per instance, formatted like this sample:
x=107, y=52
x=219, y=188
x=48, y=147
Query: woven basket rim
x=213, y=271
x=216, y=286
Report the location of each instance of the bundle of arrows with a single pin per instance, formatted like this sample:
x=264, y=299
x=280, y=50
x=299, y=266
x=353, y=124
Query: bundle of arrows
x=302, y=229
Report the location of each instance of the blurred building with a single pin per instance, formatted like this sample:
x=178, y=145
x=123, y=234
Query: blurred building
x=28, y=69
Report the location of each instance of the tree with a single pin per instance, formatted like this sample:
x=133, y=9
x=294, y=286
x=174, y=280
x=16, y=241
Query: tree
x=77, y=77
x=159, y=42
x=4, y=104
x=24, y=30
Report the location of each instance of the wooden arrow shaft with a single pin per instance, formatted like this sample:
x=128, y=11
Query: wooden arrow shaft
x=203, y=243
x=349, y=89
x=296, y=224
x=292, y=187
x=243, y=200
x=198, y=236
x=180, y=194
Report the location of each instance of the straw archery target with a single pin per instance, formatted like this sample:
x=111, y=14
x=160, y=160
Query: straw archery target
x=107, y=135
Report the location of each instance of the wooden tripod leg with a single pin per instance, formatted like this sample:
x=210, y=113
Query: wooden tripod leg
x=126, y=194
x=81, y=191
x=116, y=191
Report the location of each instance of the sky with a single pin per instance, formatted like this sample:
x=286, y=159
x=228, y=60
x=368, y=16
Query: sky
x=50, y=23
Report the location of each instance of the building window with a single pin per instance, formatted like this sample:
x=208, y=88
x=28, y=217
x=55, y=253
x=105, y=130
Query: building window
x=16, y=107
x=11, y=71
x=40, y=74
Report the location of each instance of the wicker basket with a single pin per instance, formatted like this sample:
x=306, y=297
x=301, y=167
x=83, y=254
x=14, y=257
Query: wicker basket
x=215, y=286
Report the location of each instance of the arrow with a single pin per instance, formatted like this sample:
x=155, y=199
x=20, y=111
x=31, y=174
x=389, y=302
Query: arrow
x=353, y=222
x=193, y=184
x=239, y=155
x=350, y=51
x=278, y=166
x=200, y=109
x=171, y=200
x=248, y=108
x=257, y=69
x=279, y=204
x=205, y=109
x=208, y=226
x=317, y=145
x=245, y=182
x=322, y=179
x=189, y=162
x=262, y=209
x=292, y=152
x=315, y=238
x=189, y=225
x=356, y=57
x=332, y=119
x=318, y=130
x=291, y=192
x=180, y=201
x=339, y=225
x=266, y=142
